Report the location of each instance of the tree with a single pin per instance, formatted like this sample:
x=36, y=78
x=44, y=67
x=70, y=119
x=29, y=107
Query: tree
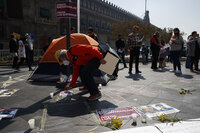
x=125, y=28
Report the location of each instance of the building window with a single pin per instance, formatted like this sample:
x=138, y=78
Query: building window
x=96, y=7
x=45, y=13
x=81, y=2
x=83, y=21
x=92, y=6
x=97, y=24
x=84, y=3
x=88, y=4
x=103, y=26
x=2, y=8
x=14, y=9
x=15, y=28
x=91, y=23
x=1, y=31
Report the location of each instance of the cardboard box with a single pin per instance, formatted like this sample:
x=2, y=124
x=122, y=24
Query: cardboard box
x=111, y=63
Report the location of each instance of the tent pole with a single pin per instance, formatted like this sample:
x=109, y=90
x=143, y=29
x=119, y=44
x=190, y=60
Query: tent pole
x=68, y=30
x=78, y=16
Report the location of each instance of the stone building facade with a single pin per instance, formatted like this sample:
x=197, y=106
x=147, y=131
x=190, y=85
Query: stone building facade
x=39, y=17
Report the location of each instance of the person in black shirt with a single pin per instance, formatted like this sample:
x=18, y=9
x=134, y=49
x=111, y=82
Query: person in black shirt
x=120, y=45
x=92, y=34
x=13, y=45
x=155, y=49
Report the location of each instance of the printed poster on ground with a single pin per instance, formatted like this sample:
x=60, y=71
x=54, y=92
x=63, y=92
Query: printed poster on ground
x=110, y=113
x=7, y=113
x=156, y=109
x=7, y=92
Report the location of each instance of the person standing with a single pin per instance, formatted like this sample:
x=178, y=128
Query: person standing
x=193, y=50
x=92, y=34
x=147, y=54
x=162, y=55
x=22, y=54
x=13, y=45
x=73, y=30
x=120, y=45
x=28, y=49
x=134, y=44
x=176, y=45
x=155, y=49
x=143, y=52
x=29, y=43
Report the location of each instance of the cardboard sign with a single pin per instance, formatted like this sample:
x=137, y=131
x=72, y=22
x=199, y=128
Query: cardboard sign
x=111, y=62
x=122, y=113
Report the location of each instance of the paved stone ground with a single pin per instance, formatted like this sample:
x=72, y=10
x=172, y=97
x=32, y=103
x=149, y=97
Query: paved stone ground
x=78, y=115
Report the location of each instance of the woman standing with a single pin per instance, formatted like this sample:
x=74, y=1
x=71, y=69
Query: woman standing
x=22, y=54
x=176, y=44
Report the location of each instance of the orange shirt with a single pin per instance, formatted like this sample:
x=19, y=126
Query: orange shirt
x=84, y=54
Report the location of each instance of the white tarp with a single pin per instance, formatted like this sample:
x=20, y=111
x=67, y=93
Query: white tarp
x=190, y=126
x=146, y=129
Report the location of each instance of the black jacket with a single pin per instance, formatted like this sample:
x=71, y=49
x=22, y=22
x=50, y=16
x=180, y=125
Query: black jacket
x=13, y=45
x=120, y=44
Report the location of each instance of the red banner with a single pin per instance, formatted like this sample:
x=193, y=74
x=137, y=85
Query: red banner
x=122, y=113
x=66, y=10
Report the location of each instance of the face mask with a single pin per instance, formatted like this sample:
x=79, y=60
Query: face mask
x=66, y=62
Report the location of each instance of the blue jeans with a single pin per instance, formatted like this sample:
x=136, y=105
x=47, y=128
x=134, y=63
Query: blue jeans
x=176, y=59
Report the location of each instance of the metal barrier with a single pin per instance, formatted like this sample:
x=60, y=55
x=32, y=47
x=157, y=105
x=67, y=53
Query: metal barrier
x=6, y=52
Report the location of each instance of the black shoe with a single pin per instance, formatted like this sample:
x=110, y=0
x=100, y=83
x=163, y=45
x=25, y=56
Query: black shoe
x=138, y=72
x=31, y=69
x=154, y=68
x=113, y=77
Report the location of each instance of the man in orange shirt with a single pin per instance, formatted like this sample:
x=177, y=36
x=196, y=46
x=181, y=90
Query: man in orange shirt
x=85, y=60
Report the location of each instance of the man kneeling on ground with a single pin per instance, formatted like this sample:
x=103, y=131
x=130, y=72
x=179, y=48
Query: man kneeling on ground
x=85, y=59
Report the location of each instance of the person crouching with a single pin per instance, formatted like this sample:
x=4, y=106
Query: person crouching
x=85, y=59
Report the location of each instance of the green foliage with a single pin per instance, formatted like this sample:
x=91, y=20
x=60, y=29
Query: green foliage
x=167, y=118
x=184, y=91
x=147, y=30
x=7, y=58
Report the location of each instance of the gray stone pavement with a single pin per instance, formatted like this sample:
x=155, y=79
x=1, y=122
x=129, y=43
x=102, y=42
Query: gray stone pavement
x=78, y=115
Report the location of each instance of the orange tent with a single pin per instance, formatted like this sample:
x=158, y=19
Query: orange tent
x=49, y=69
x=60, y=43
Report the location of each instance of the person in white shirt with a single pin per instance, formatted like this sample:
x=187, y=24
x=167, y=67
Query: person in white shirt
x=22, y=55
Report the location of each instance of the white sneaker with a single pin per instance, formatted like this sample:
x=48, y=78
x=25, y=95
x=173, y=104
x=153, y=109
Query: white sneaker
x=178, y=72
x=172, y=70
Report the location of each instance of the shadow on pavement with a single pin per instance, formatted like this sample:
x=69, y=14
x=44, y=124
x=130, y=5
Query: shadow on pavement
x=136, y=77
x=186, y=76
x=161, y=70
x=42, y=83
x=79, y=108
